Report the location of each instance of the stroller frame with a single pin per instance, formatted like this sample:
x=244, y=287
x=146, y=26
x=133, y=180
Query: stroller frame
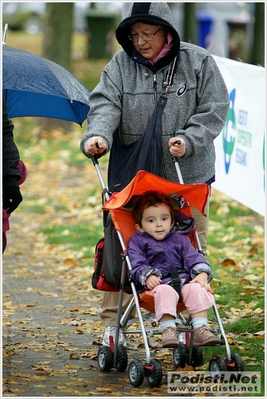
x=115, y=356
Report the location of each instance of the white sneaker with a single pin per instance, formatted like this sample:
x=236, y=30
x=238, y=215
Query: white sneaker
x=111, y=330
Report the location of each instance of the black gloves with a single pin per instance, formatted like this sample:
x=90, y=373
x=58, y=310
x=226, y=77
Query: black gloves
x=11, y=198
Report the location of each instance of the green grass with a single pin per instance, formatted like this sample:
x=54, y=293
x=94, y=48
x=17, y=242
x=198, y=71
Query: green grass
x=82, y=237
x=236, y=255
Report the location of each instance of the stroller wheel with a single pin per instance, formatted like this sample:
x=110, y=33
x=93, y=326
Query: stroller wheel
x=122, y=358
x=217, y=365
x=236, y=363
x=105, y=358
x=179, y=356
x=197, y=356
x=155, y=375
x=136, y=373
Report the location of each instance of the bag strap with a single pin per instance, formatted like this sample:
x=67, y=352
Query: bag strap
x=168, y=82
x=169, y=76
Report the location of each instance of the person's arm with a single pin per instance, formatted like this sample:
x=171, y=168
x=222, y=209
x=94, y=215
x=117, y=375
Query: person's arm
x=209, y=118
x=194, y=262
x=94, y=146
x=152, y=281
x=105, y=112
x=141, y=269
x=10, y=154
x=202, y=279
x=11, y=174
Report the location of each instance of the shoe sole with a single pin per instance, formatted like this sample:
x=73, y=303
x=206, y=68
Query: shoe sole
x=209, y=343
x=170, y=345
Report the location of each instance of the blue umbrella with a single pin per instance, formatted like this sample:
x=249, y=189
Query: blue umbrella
x=35, y=86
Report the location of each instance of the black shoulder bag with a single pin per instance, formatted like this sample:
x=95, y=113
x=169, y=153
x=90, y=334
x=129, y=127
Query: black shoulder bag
x=145, y=153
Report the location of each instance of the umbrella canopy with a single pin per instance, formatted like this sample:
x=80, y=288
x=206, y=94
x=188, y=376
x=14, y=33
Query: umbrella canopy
x=35, y=86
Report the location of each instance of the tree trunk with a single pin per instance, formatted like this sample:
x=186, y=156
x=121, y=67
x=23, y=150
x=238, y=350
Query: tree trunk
x=257, y=53
x=190, y=22
x=58, y=30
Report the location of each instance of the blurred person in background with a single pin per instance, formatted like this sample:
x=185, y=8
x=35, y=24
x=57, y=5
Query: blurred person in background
x=14, y=173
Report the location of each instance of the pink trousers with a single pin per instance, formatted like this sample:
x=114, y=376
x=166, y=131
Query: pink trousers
x=195, y=298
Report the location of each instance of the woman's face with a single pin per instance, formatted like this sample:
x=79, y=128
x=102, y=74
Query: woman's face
x=149, y=49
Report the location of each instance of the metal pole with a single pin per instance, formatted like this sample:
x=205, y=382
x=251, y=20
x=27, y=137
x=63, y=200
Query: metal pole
x=177, y=166
x=5, y=33
x=181, y=181
x=100, y=177
x=178, y=170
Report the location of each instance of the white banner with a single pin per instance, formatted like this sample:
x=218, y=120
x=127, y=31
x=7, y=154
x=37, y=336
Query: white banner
x=240, y=148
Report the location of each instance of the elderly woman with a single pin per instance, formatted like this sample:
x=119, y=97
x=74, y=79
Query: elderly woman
x=127, y=94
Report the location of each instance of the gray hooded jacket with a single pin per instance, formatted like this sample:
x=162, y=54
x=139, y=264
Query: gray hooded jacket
x=130, y=86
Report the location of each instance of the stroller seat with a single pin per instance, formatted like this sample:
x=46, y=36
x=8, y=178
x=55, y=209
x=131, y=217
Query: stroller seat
x=147, y=302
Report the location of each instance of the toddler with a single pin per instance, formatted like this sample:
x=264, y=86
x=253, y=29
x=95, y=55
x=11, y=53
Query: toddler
x=155, y=250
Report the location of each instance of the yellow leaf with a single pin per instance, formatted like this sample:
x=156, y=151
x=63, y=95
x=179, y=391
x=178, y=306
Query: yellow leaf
x=234, y=310
x=70, y=262
x=251, y=277
x=228, y=262
x=79, y=331
x=260, y=333
x=258, y=310
x=22, y=375
x=16, y=390
x=74, y=356
x=247, y=310
x=104, y=390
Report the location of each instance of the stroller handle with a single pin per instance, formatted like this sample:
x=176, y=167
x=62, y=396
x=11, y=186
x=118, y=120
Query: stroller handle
x=181, y=181
x=178, y=170
x=106, y=193
x=177, y=166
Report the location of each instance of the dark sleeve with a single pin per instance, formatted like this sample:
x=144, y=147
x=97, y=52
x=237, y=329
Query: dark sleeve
x=141, y=268
x=10, y=155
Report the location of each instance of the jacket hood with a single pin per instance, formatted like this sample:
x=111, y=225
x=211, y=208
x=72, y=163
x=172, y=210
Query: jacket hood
x=148, y=13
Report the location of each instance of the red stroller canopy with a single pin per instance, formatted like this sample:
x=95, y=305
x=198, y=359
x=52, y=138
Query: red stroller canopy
x=195, y=194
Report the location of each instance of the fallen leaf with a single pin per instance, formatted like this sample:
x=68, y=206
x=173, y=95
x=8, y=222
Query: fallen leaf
x=228, y=262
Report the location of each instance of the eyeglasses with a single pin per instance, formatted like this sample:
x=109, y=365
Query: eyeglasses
x=135, y=38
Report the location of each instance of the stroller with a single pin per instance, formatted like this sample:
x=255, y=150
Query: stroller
x=111, y=273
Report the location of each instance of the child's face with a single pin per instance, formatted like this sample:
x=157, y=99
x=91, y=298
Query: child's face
x=156, y=221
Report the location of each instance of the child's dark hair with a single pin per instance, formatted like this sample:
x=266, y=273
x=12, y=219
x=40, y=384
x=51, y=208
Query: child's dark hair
x=151, y=198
